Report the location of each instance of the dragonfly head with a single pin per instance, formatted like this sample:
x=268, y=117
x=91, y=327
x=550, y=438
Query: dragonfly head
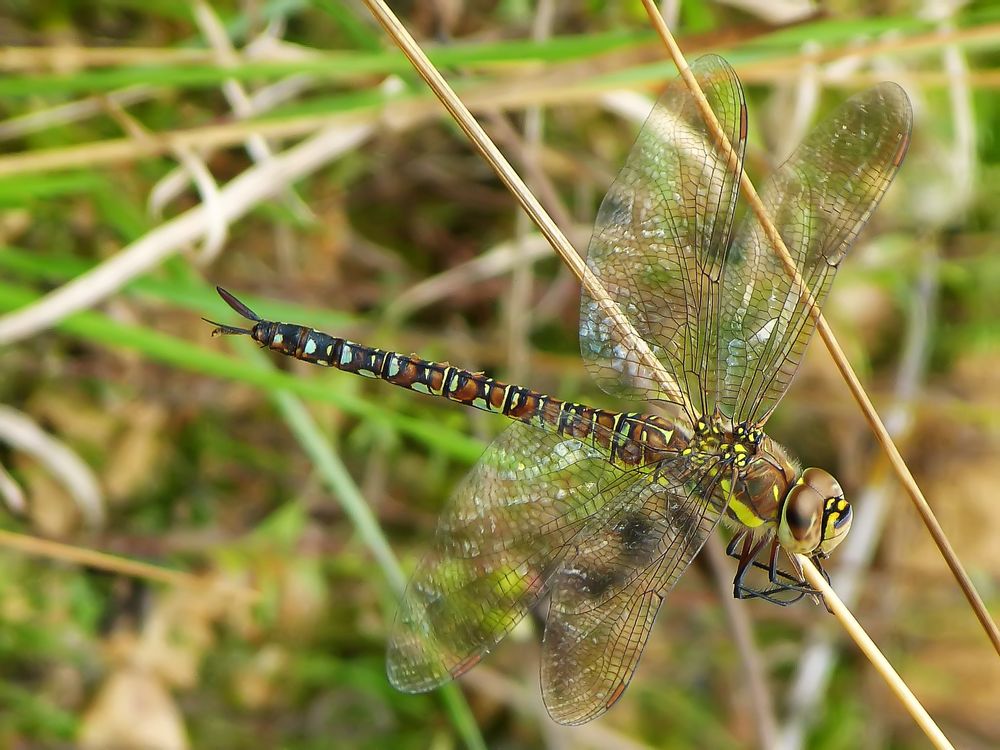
x=815, y=517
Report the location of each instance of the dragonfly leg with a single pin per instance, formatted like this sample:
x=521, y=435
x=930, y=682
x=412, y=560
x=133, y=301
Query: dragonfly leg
x=817, y=597
x=747, y=557
x=785, y=588
x=781, y=582
x=738, y=537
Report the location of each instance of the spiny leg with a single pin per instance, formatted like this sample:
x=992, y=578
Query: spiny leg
x=747, y=555
x=781, y=582
x=804, y=587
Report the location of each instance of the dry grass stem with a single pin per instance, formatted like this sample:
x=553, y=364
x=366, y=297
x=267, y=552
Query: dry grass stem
x=559, y=87
x=241, y=102
x=11, y=493
x=510, y=178
x=72, y=56
x=217, y=231
x=872, y=653
x=817, y=661
x=22, y=433
x=33, y=545
x=986, y=35
x=115, y=150
x=238, y=197
x=494, y=262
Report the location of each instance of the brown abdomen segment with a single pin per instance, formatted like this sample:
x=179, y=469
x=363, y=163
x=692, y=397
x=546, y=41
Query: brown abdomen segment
x=630, y=439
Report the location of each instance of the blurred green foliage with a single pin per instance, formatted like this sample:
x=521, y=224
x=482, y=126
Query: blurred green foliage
x=308, y=486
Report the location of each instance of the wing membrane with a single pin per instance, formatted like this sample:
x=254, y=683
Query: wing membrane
x=659, y=246
x=819, y=200
x=606, y=595
x=507, y=529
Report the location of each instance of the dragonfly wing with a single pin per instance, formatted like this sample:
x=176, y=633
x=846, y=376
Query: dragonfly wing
x=606, y=595
x=505, y=532
x=659, y=247
x=819, y=200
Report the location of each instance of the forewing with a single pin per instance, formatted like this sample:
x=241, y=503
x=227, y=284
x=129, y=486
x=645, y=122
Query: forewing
x=659, y=247
x=506, y=530
x=818, y=200
x=606, y=595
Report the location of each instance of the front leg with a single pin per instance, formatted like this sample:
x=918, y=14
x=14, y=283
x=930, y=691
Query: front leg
x=745, y=549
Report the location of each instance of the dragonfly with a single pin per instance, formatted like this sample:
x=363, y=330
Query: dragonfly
x=602, y=511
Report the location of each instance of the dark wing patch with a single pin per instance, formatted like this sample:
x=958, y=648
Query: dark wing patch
x=595, y=636
x=506, y=530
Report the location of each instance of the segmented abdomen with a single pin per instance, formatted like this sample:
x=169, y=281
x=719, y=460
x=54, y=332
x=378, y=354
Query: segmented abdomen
x=629, y=438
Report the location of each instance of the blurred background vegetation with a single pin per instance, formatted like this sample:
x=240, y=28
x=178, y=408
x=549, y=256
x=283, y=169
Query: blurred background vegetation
x=145, y=153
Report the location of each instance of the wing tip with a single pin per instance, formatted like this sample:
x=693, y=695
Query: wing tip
x=572, y=713
x=412, y=676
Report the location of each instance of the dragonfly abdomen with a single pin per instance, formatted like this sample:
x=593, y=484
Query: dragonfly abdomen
x=473, y=389
x=628, y=438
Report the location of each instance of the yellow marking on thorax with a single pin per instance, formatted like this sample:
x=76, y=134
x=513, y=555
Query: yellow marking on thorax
x=744, y=513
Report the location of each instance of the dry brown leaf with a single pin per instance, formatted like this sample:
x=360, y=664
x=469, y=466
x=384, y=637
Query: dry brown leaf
x=133, y=711
x=53, y=512
x=136, y=452
x=258, y=683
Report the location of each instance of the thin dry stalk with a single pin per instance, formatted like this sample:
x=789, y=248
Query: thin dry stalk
x=561, y=87
x=871, y=651
x=512, y=180
x=493, y=263
x=12, y=494
x=561, y=245
x=39, y=120
x=241, y=102
x=528, y=159
x=839, y=358
x=978, y=79
x=985, y=35
x=34, y=545
x=22, y=433
x=16, y=59
x=522, y=278
x=32, y=59
x=817, y=661
x=239, y=196
x=208, y=189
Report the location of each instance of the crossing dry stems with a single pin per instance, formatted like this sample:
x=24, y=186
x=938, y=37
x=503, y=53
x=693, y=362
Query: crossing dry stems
x=568, y=254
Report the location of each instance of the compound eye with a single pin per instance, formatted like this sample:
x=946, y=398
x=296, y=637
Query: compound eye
x=800, y=528
x=815, y=516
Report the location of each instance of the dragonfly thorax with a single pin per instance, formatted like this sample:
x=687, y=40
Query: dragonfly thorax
x=806, y=510
x=716, y=439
